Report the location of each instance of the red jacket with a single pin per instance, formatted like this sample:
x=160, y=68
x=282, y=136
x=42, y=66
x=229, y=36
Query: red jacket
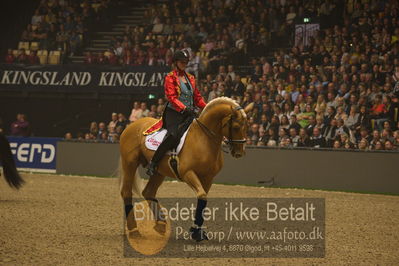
x=172, y=91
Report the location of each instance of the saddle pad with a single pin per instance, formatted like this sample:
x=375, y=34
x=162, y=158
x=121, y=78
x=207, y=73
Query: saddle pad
x=153, y=141
x=154, y=128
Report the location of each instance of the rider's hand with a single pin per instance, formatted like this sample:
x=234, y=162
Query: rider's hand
x=189, y=111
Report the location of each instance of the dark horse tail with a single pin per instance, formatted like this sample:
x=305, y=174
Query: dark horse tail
x=10, y=171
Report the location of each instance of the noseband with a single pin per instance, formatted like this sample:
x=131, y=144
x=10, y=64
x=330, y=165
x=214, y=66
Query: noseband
x=230, y=141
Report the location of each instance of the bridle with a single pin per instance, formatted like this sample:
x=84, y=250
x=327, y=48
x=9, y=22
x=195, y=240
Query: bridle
x=229, y=141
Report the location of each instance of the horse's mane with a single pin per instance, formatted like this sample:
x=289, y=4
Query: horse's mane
x=222, y=100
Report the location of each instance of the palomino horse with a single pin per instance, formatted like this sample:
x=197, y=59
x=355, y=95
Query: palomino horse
x=10, y=171
x=200, y=159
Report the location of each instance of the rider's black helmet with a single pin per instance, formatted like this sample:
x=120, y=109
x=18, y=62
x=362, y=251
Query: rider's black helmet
x=182, y=55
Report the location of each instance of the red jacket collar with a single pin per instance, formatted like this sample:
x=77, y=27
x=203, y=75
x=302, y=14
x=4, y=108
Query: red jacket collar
x=179, y=72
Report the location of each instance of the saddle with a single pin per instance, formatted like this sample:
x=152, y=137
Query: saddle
x=156, y=133
x=153, y=140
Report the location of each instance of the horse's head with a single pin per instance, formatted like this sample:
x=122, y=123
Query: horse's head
x=234, y=129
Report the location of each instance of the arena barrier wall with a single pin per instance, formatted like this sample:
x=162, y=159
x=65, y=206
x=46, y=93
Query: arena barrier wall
x=87, y=158
x=273, y=167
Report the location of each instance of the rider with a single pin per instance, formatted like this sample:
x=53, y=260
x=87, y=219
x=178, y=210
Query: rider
x=183, y=96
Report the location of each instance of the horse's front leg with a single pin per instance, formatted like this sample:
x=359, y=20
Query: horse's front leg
x=197, y=233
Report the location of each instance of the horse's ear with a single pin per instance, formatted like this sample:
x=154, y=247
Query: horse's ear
x=249, y=108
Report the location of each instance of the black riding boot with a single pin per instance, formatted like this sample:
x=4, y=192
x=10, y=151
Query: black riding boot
x=167, y=144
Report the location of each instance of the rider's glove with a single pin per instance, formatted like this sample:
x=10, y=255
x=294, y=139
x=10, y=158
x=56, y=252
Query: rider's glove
x=189, y=111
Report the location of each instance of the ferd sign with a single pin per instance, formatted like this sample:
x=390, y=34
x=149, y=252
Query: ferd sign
x=34, y=154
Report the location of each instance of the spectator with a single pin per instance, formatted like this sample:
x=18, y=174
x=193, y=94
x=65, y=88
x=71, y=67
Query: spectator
x=62, y=38
x=352, y=119
x=33, y=59
x=294, y=137
x=253, y=134
x=284, y=123
x=304, y=140
x=363, y=145
x=40, y=35
x=341, y=128
x=378, y=110
x=364, y=134
x=136, y=112
x=68, y=136
x=27, y=34
x=144, y=109
x=214, y=93
x=337, y=144
x=10, y=58
x=101, y=130
x=112, y=123
x=93, y=130
x=128, y=59
x=89, y=58
x=375, y=138
x=101, y=59
x=378, y=146
x=74, y=42
x=312, y=124
x=37, y=18
x=363, y=119
x=22, y=57
x=104, y=136
x=317, y=140
x=304, y=117
x=20, y=127
x=121, y=124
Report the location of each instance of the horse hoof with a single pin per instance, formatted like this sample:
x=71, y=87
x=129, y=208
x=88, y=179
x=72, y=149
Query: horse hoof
x=198, y=234
x=131, y=223
x=134, y=234
x=160, y=227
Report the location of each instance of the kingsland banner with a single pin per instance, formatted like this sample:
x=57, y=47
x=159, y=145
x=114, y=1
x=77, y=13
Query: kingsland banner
x=138, y=79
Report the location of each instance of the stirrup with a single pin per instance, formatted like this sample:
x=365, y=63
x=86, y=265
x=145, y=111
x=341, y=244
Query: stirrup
x=174, y=163
x=152, y=169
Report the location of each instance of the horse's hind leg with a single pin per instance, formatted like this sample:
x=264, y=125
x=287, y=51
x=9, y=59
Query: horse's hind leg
x=128, y=174
x=149, y=193
x=152, y=186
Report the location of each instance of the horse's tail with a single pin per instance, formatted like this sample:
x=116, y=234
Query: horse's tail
x=137, y=181
x=10, y=171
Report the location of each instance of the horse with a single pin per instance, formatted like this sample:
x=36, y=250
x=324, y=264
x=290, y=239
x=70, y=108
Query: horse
x=200, y=159
x=11, y=174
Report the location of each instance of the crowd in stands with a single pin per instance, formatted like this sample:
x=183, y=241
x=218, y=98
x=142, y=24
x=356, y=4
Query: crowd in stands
x=112, y=130
x=338, y=90
x=215, y=33
x=61, y=25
